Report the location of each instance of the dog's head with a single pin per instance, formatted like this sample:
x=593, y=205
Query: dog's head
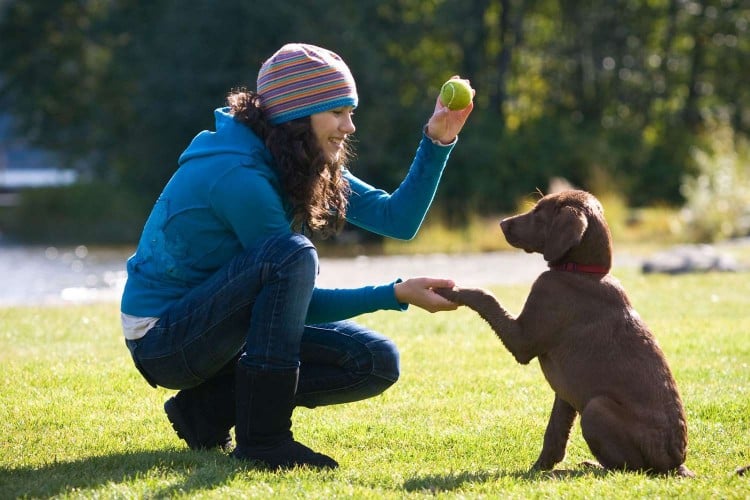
x=568, y=226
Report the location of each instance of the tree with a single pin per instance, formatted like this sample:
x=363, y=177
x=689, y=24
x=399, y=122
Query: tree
x=619, y=90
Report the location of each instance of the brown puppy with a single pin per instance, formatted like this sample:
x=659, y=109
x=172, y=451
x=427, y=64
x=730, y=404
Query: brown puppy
x=595, y=351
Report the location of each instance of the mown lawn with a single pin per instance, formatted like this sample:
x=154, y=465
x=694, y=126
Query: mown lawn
x=76, y=420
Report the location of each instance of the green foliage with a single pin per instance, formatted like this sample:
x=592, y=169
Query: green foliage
x=564, y=89
x=84, y=213
x=718, y=195
x=464, y=421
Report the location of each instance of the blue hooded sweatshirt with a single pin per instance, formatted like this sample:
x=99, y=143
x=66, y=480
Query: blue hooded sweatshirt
x=226, y=197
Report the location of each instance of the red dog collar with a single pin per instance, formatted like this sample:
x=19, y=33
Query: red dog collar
x=579, y=268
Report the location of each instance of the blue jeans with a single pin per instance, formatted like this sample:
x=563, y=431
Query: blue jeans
x=254, y=309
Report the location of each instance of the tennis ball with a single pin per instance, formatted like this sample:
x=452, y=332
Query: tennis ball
x=455, y=94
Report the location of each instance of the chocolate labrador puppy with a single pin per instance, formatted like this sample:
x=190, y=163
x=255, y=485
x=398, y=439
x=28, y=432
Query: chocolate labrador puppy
x=594, y=349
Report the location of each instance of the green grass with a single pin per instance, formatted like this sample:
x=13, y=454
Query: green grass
x=77, y=421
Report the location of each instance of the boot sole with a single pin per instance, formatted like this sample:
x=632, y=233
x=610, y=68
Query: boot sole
x=284, y=456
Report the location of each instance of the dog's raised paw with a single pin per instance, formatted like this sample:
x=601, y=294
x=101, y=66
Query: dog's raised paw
x=448, y=293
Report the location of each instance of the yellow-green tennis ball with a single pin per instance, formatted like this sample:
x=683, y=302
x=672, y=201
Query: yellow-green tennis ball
x=455, y=94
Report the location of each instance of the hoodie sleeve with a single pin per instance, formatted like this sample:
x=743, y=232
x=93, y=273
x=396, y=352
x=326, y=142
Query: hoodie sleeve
x=335, y=304
x=400, y=214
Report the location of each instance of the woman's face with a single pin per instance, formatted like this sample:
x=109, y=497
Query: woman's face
x=331, y=128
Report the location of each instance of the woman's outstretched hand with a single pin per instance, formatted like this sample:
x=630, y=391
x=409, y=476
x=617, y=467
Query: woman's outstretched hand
x=419, y=292
x=444, y=124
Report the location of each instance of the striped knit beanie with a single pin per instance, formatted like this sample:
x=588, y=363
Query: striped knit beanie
x=300, y=80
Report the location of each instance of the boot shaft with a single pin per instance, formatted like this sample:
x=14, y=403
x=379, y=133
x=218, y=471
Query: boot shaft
x=264, y=402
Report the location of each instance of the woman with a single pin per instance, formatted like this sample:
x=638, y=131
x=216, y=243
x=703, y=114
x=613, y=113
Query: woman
x=220, y=300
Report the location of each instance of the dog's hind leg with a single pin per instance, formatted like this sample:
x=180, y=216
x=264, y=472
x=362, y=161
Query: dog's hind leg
x=556, y=436
x=609, y=433
x=623, y=441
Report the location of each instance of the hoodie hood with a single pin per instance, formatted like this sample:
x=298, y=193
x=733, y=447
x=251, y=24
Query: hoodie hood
x=230, y=137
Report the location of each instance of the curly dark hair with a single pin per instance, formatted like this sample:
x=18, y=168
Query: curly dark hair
x=315, y=188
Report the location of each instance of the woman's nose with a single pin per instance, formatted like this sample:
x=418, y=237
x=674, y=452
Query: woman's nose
x=347, y=125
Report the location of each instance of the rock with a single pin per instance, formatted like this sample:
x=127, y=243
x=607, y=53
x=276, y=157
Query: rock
x=690, y=259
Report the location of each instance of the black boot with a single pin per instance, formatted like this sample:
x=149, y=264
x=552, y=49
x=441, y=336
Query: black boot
x=203, y=415
x=265, y=401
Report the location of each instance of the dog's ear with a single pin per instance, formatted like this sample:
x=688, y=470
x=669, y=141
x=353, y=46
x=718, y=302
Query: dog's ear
x=565, y=231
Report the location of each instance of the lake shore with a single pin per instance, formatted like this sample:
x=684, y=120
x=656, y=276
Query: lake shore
x=39, y=275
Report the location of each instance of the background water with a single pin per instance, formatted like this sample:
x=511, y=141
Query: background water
x=39, y=275
x=55, y=275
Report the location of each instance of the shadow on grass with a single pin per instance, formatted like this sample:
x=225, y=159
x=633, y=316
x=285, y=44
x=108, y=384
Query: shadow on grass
x=193, y=470
x=171, y=473
x=455, y=480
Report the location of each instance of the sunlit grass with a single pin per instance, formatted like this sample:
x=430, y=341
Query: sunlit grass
x=465, y=420
x=479, y=234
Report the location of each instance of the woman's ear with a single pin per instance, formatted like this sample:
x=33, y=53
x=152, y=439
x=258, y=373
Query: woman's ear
x=565, y=231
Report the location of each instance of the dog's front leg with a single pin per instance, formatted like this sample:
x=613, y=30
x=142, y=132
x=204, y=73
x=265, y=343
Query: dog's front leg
x=556, y=436
x=505, y=326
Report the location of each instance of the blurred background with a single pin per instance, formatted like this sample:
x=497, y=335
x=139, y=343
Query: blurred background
x=646, y=103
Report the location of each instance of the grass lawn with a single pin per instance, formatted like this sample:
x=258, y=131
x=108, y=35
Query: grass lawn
x=76, y=420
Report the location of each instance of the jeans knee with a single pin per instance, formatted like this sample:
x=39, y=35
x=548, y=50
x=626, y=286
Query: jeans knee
x=385, y=370
x=293, y=243
x=386, y=361
x=296, y=253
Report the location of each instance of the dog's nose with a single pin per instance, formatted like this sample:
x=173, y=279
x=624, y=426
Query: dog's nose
x=505, y=224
